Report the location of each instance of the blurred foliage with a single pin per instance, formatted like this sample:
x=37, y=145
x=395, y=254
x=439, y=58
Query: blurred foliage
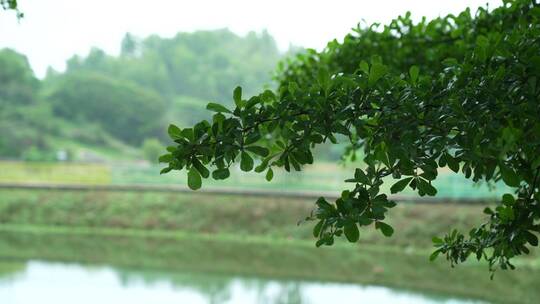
x=19, y=85
x=101, y=100
x=126, y=111
x=11, y=5
x=152, y=149
x=459, y=91
x=203, y=64
x=22, y=117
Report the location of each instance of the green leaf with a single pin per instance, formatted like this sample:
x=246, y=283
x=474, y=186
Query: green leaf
x=165, y=158
x=201, y=168
x=377, y=71
x=237, y=96
x=262, y=151
x=508, y=199
x=434, y=255
x=449, y=62
x=295, y=164
x=509, y=176
x=389, y=204
x=361, y=177
x=437, y=240
x=426, y=187
x=268, y=96
x=246, y=162
x=252, y=138
x=269, y=174
x=413, y=72
x=253, y=101
x=364, y=67
x=194, y=179
x=429, y=175
x=442, y=160
x=262, y=166
x=303, y=157
x=188, y=134
x=317, y=228
x=165, y=170
x=216, y=107
x=293, y=87
x=453, y=163
x=364, y=220
x=220, y=174
x=531, y=238
x=323, y=77
x=174, y=132
x=323, y=204
x=351, y=232
x=400, y=185
x=507, y=213
x=386, y=229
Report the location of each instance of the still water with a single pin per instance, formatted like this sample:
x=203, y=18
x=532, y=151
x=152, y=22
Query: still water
x=58, y=283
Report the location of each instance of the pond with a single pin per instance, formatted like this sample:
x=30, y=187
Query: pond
x=38, y=281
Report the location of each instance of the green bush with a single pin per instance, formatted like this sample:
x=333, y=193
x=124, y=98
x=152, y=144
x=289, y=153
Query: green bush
x=123, y=109
x=151, y=149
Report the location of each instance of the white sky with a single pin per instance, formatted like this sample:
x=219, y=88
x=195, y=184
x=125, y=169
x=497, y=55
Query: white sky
x=54, y=30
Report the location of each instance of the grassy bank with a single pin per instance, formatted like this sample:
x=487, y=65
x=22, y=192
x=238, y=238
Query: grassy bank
x=415, y=224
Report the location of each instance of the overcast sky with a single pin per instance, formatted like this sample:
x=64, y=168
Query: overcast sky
x=54, y=30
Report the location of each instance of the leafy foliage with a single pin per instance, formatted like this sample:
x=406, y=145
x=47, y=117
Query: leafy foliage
x=458, y=92
x=152, y=148
x=20, y=114
x=11, y=5
x=16, y=79
x=187, y=69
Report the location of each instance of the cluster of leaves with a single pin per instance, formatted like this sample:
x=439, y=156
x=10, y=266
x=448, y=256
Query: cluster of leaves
x=11, y=5
x=460, y=92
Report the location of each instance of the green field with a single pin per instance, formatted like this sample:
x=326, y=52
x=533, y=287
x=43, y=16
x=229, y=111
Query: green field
x=246, y=236
x=196, y=213
x=55, y=173
x=320, y=177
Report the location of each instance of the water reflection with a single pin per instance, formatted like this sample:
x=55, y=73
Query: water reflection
x=45, y=282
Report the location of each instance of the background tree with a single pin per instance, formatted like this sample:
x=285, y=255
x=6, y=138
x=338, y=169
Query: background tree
x=152, y=148
x=21, y=115
x=128, y=45
x=18, y=83
x=121, y=108
x=458, y=92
